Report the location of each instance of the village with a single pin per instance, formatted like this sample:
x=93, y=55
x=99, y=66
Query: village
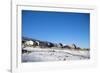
x=36, y=50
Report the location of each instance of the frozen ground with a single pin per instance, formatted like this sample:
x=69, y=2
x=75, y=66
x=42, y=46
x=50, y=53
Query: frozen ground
x=47, y=54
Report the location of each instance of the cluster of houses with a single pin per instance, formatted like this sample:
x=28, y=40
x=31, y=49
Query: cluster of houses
x=45, y=44
x=29, y=42
x=40, y=44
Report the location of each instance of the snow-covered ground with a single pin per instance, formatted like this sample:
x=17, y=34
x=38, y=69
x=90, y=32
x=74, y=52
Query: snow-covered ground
x=53, y=54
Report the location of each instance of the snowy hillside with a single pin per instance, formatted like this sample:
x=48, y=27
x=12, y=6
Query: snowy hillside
x=53, y=54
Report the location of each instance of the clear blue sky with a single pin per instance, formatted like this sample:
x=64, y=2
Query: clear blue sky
x=57, y=27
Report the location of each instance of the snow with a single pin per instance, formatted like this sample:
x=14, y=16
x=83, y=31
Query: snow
x=53, y=54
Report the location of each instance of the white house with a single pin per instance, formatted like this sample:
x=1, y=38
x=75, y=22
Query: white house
x=29, y=43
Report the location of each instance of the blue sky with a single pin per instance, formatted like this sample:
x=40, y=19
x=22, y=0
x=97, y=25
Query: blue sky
x=57, y=27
